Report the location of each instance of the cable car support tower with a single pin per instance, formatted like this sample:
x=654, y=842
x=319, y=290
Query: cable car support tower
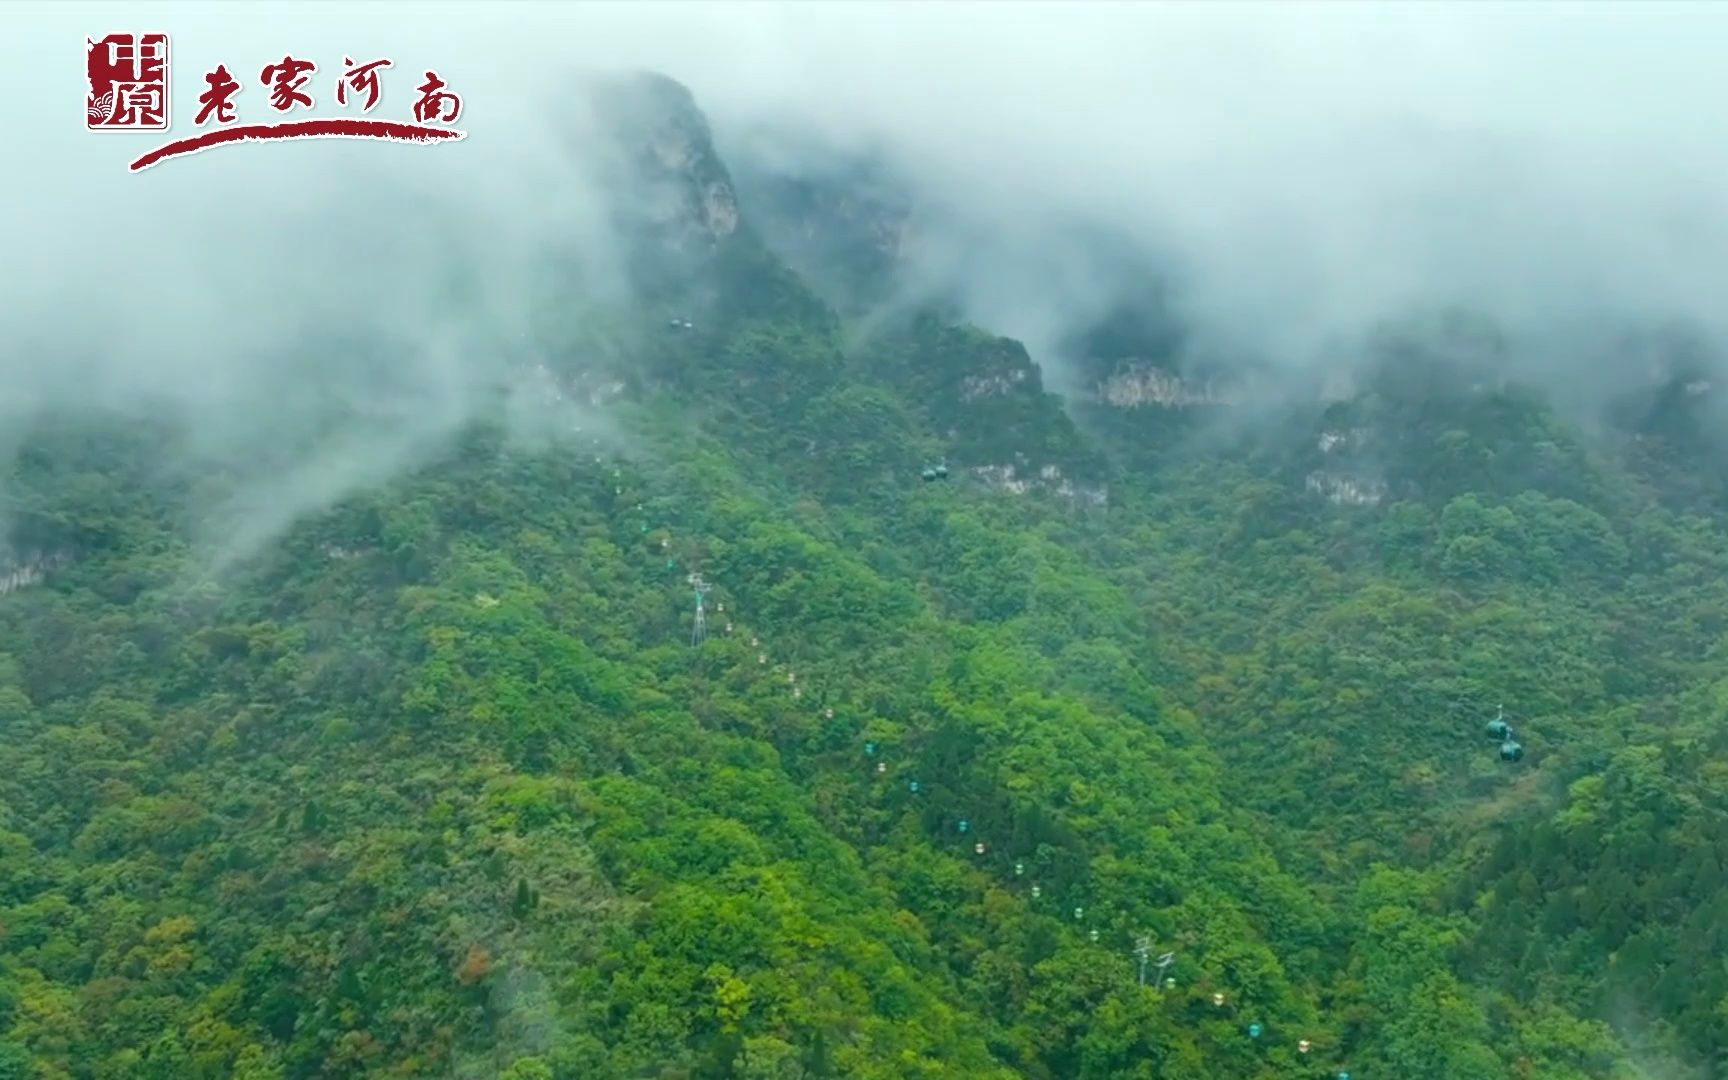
x=700, y=630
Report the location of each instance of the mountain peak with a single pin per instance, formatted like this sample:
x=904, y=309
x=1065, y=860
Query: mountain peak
x=680, y=188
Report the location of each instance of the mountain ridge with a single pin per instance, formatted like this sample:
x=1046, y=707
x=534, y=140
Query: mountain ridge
x=437, y=782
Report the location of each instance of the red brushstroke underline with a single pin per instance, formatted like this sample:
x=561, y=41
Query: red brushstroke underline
x=299, y=129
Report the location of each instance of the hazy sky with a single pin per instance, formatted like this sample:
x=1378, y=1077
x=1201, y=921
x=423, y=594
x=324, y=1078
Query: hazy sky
x=1306, y=163
x=1306, y=169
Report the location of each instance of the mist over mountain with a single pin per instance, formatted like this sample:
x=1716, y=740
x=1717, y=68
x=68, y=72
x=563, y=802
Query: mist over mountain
x=1265, y=186
x=1024, y=541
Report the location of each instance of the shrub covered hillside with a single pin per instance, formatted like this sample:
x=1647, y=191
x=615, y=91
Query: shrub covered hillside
x=438, y=785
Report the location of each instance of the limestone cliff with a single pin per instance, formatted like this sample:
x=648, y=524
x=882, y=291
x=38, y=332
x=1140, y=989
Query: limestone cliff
x=667, y=179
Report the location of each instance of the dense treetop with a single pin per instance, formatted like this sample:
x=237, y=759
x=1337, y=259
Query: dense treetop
x=436, y=785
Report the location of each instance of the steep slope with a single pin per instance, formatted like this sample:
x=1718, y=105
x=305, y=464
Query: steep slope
x=437, y=785
x=1458, y=501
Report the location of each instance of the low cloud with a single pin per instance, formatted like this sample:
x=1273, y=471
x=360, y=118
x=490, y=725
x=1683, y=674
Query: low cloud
x=1294, y=174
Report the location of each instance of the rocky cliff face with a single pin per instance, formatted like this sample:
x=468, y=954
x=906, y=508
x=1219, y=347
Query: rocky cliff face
x=1138, y=384
x=1017, y=480
x=1345, y=490
x=668, y=180
x=20, y=570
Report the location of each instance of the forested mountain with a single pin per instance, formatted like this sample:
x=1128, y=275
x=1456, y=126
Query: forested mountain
x=441, y=783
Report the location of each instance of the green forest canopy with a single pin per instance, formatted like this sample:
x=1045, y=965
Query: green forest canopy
x=436, y=785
